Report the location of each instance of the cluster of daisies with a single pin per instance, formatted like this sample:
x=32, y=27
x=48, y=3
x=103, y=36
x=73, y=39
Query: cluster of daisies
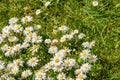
x=17, y=39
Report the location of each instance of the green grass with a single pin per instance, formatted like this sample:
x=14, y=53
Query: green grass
x=101, y=23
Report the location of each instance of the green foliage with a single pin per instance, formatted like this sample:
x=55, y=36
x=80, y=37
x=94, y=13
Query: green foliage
x=101, y=23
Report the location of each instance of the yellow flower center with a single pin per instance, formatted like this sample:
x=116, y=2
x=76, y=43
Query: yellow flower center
x=27, y=29
x=36, y=38
x=27, y=39
x=52, y=50
x=80, y=76
x=18, y=62
x=39, y=75
x=95, y=2
x=35, y=47
x=58, y=55
x=12, y=39
x=66, y=49
x=84, y=54
x=30, y=34
x=17, y=47
x=62, y=27
x=18, y=27
x=58, y=67
x=85, y=67
x=13, y=20
x=12, y=26
x=67, y=62
x=54, y=32
x=61, y=76
x=63, y=38
x=56, y=60
x=49, y=65
x=78, y=71
x=11, y=48
x=10, y=78
x=14, y=71
x=26, y=19
x=92, y=58
x=4, y=32
x=8, y=70
x=32, y=61
x=26, y=72
x=5, y=47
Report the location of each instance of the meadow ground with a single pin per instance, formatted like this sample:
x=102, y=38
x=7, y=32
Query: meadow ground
x=100, y=23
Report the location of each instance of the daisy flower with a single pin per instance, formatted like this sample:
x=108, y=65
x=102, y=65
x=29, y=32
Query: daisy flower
x=63, y=28
x=93, y=58
x=10, y=78
x=54, y=31
x=27, y=19
x=63, y=39
x=4, y=47
x=4, y=76
x=15, y=70
x=74, y=32
x=26, y=73
x=78, y=71
x=13, y=20
x=2, y=65
x=32, y=62
x=69, y=78
x=49, y=65
x=58, y=68
x=11, y=65
x=81, y=77
x=5, y=33
x=6, y=28
x=47, y=41
x=95, y=3
x=40, y=75
x=69, y=37
x=52, y=49
x=91, y=44
x=35, y=48
x=28, y=30
x=85, y=44
x=10, y=51
x=1, y=39
x=47, y=3
x=18, y=62
x=57, y=61
x=69, y=62
x=44, y=69
x=27, y=39
x=25, y=45
x=9, y=68
x=17, y=28
x=17, y=47
x=12, y=26
x=61, y=76
x=36, y=27
x=86, y=67
x=85, y=54
x=30, y=35
x=38, y=11
x=67, y=50
x=54, y=41
x=36, y=39
x=60, y=54
x=81, y=35
x=13, y=39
